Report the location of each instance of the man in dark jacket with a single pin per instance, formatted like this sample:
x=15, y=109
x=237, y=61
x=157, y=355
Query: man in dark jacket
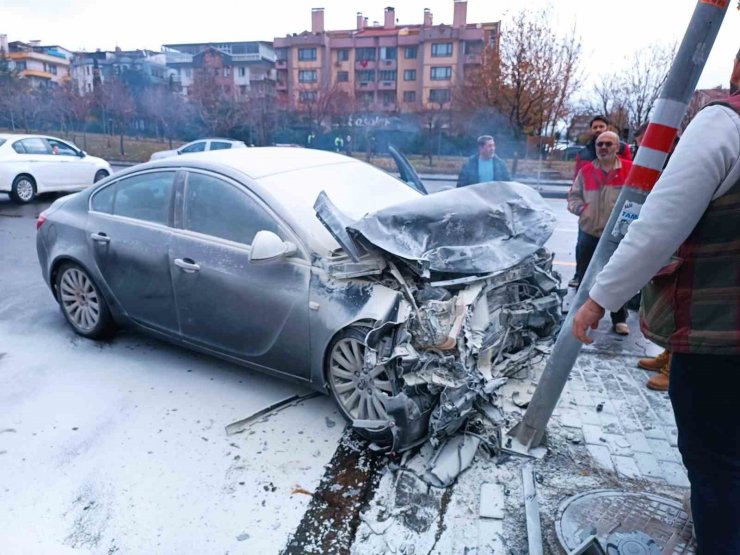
x=484, y=166
x=598, y=125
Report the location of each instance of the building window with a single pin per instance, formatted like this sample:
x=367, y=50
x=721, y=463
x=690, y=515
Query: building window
x=439, y=96
x=366, y=76
x=307, y=76
x=441, y=73
x=243, y=89
x=281, y=54
x=387, y=52
x=307, y=96
x=188, y=72
x=410, y=52
x=388, y=97
x=87, y=70
x=409, y=96
x=342, y=76
x=365, y=54
x=227, y=71
x=492, y=38
x=387, y=75
x=306, y=54
x=473, y=47
x=242, y=72
x=366, y=98
x=442, y=50
x=409, y=75
x=343, y=54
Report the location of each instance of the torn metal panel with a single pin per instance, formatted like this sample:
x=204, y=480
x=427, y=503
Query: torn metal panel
x=451, y=459
x=532, y=511
x=479, y=229
x=491, y=501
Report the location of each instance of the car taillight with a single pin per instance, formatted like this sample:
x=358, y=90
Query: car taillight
x=40, y=220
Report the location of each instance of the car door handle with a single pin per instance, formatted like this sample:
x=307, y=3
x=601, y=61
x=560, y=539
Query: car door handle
x=100, y=237
x=187, y=264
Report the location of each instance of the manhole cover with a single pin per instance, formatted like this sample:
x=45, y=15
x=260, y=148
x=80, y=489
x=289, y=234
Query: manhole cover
x=605, y=512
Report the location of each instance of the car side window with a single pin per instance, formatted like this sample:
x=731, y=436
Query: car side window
x=63, y=149
x=220, y=145
x=102, y=200
x=34, y=145
x=18, y=147
x=145, y=197
x=217, y=208
x=195, y=147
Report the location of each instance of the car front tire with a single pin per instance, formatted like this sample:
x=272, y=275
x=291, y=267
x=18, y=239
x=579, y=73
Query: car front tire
x=23, y=189
x=82, y=303
x=359, y=393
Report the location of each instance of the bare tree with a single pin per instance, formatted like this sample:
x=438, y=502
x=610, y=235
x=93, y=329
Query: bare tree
x=117, y=104
x=644, y=79
x=167, y=109
x=217, y=105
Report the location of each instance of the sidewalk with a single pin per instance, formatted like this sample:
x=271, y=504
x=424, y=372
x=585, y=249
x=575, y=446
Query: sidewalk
x=608, y=432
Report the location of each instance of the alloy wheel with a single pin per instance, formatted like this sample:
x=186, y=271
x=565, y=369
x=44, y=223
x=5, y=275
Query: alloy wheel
x=361, y=392
x=24, y=189
x=80, y=299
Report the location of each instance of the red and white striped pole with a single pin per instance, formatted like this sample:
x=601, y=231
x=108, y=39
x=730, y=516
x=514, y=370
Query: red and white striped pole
x=667, y=114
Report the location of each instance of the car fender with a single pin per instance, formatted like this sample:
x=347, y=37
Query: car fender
x=336, y=304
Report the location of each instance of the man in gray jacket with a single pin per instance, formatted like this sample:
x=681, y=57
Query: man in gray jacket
x=692, y=307
x=484, y=166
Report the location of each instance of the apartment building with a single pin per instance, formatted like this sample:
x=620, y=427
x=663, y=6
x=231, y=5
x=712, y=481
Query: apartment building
x=243, y=66
x=387, y=68
x=142, y=68
x=42, y=66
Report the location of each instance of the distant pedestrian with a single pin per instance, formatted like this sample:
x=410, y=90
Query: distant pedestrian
x=348, y=145
x=484, y=166
x=338, y=144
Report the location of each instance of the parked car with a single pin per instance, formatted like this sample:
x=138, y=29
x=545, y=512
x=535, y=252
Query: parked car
x=319, y=268
x=201, y=145
x=33, y=164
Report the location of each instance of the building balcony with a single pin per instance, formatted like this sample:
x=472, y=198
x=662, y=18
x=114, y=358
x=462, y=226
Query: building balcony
x=366, y=85
x=387, y=86
x=472, y=59
x=281, y=64
x=387, y=64
x=366, y=64
x=281, y=86
x=36, y=73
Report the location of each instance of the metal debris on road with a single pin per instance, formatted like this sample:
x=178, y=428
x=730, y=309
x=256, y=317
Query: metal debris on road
x=532, y=511
x=244, y=423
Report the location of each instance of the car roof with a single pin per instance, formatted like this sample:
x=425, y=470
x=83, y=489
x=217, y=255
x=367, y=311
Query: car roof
x=17, y=136
x=292, y=178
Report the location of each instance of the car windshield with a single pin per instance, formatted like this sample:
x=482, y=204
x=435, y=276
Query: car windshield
x=2, y=141
x=353, y=187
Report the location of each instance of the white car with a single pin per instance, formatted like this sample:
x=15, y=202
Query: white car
x=201, y=145
x=32, y=164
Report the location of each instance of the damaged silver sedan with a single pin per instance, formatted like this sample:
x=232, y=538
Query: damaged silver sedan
x=410, y=310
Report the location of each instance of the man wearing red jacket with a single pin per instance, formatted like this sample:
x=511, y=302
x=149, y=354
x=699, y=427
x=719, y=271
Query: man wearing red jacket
x=598, y=125
x=592, y=198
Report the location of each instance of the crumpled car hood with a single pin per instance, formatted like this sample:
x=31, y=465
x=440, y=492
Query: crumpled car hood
x=482, y=228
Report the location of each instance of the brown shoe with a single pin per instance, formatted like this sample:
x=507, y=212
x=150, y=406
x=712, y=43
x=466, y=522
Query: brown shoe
x=654, y=364
x=622, y=328
x=660, y=381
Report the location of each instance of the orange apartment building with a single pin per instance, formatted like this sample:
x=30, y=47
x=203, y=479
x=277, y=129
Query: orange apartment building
x=391, y=68
x=42, y=66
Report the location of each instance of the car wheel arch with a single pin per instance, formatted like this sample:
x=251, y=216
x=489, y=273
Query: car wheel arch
x=116, y=311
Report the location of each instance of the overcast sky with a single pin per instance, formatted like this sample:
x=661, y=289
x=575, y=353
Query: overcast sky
x=611, y=31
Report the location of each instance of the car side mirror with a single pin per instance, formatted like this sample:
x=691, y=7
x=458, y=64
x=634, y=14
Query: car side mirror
x=267, y=246
x=82, y=154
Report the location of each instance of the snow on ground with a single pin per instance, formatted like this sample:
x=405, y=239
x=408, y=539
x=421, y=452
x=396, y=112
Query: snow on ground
x=120, y=447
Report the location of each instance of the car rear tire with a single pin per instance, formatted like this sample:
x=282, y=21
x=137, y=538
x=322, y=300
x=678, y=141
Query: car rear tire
x=100, y=174
x=359, y=393
x=23, y=189
x=82, y=303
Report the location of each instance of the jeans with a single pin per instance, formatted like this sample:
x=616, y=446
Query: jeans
x=585, y=247
x=704, y=394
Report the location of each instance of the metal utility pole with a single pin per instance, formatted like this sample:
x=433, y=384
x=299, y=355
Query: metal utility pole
x=659, y=136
